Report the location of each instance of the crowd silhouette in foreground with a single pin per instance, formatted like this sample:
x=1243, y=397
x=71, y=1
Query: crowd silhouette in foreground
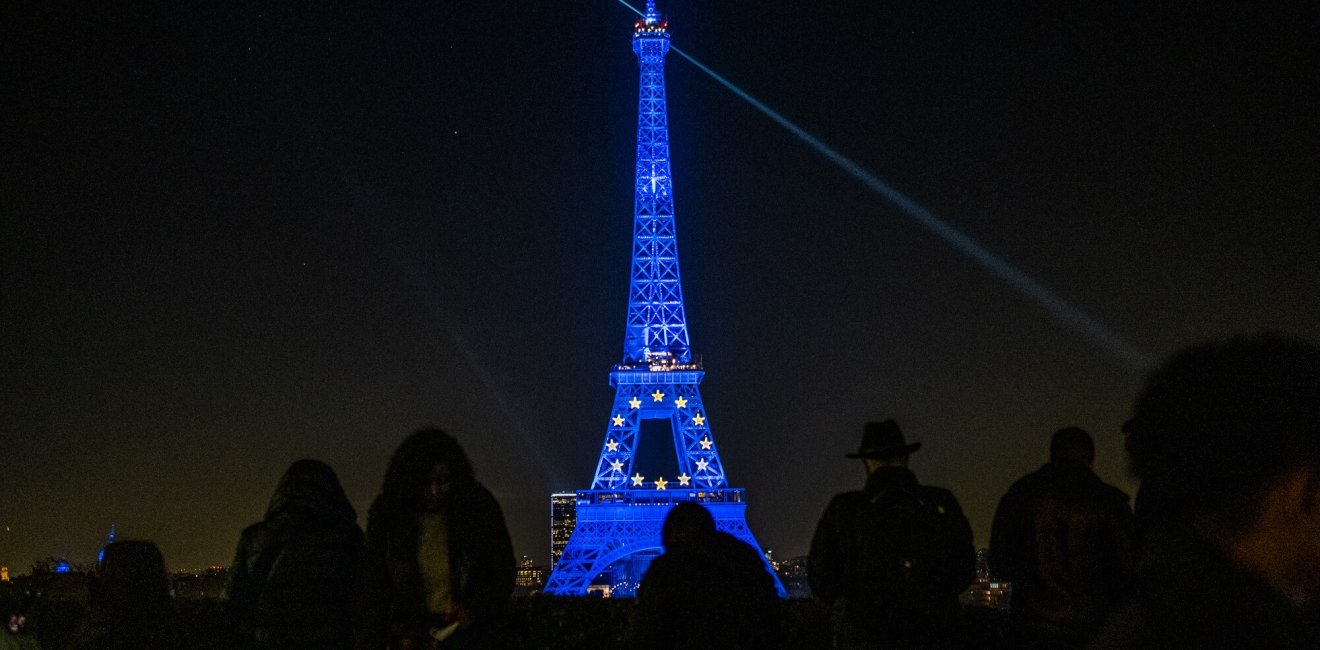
x=1222, y=551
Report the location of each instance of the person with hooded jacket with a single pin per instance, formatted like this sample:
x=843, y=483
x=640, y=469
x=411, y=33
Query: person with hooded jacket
x=438, y=567
x=291, y=582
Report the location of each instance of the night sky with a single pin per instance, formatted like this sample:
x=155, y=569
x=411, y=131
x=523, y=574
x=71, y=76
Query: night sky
x=235, y=235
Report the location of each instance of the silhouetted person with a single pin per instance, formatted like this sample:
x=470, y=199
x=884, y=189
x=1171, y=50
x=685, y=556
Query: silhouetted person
x=1148, y=506
x=291, y=583
x=129, y=605
x=1067, y=541
x=1229, y=435
x=893, y=557
x=438, y=558
x=708, y=590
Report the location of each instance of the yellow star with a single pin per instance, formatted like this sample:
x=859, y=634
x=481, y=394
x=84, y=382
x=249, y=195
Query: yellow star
x=684, y=478
x=698, y=419
x=657, y=395
x=680, y=402
x=634, y=402
x=661, y=483
x=618, y=420
x=612, y=445
x=617, y=466
x=637, y=480
x=702, y=465
x=705, y=443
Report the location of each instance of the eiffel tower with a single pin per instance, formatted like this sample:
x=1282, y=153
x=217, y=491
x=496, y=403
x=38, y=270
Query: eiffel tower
x=619, y=518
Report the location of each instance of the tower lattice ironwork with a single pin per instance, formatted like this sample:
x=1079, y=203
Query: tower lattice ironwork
x=620, y=517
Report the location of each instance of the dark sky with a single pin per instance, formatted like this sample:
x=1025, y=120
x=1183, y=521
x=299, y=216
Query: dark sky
x=237, y=235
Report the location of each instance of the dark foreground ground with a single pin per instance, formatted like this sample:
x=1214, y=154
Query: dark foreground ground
x=532, y=622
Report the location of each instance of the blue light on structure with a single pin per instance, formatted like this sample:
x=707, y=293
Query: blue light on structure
x=62, y=566
x=109, y=539
x=620, y=517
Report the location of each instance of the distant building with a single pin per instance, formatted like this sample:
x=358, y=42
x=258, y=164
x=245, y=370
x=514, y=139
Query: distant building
x=109, y=539
x=4, y=574
x=529, y=576
x=200, y=584
x=985, y=591
x=793, y=573
x=563, y=519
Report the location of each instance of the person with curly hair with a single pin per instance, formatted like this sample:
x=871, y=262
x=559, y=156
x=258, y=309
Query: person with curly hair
x=438, y=566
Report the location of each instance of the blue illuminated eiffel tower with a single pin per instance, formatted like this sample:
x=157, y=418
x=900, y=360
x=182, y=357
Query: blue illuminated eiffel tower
x=619, y=518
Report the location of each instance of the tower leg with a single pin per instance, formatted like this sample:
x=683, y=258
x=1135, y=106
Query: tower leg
x=609, y=532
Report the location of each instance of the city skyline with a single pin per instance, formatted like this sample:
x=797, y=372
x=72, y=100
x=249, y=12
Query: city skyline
x=247, y=234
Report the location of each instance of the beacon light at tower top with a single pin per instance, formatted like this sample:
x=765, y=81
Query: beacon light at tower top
x=658, y=28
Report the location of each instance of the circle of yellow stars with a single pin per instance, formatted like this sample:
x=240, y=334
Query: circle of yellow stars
x=638, y=480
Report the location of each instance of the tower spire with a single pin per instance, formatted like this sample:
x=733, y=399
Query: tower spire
x=656, y=327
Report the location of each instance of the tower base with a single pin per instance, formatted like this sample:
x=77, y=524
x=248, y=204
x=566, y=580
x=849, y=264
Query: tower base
x=613, y=525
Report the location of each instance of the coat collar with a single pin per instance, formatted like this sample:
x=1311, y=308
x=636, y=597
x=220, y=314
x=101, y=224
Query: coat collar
x=888, y=478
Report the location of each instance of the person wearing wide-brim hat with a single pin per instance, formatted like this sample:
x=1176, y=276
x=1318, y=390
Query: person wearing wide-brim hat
x=892, y=557
x=883, y=440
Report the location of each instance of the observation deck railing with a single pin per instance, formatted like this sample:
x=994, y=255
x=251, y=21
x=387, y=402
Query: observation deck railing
x=662, y=497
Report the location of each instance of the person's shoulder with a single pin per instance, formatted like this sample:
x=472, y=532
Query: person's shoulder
x=328, y=531
x=1022, y=491
x=1114, y=494
x=665, y=562
x=474, y=489
x=1104, y=497
x=255, y=535
x=843, y=502
x=939, y=499
x=1117, y=505
x=255, y=530
x=736, y=547
x=479, y=497
x=845, y=499
x=936, y=494
x=378, y=507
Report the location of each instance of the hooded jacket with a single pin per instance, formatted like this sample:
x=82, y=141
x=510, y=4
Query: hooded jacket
x=291, y=582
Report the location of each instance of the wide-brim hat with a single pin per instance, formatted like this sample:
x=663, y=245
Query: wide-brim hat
x=883, y=440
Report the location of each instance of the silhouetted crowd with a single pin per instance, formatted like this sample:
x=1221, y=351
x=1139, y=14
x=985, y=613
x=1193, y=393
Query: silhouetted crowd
x=1222, y=550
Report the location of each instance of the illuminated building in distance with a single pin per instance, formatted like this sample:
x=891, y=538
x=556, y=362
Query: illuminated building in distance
x=563, y=518
x=618, y=519
x=985, y=591
x=793, y=574
x=528, y=575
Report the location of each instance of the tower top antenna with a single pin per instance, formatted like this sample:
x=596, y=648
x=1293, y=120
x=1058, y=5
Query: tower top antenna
x=651, y=14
